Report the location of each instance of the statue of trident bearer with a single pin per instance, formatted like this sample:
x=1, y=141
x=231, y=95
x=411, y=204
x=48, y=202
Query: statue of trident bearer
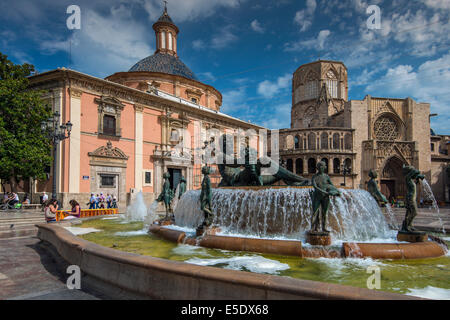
x=205, y=196
x=323, y=189
x=412, y=177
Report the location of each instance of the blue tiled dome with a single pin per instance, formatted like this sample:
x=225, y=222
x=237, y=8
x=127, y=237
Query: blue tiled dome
x=164, y=63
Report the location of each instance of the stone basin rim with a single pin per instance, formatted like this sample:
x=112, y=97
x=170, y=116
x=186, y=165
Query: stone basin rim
x=103, y=268
x=395, y=250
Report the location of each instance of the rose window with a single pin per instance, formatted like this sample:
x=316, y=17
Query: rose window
x=386, y=128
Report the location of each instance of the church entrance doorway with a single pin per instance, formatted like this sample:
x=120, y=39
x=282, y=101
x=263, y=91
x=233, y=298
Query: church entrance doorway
x=175, y=178
x=388, y=189
x=392, y=180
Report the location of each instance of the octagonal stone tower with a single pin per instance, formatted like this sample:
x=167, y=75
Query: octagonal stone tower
x=319, y=91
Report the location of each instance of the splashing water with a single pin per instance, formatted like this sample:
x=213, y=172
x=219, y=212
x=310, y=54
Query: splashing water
x=175, y=198
x=285, y=212
x=137, y=211
x=428, y=193
x=391, y=217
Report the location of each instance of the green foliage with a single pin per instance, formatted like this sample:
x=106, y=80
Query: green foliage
x=24, y=149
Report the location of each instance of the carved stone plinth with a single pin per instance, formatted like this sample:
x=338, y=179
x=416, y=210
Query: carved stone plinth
x=165, y=222
x=200, y=231
x=212, y=231
x=415, y=236
x=318, y=238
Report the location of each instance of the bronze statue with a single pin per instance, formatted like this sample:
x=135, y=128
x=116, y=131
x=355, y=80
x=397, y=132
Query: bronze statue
x=323, y=189
x=372, y=187
x=166, y=195
x=412, y=177
x=182, y=187
x=248, y=174
x=205, y=197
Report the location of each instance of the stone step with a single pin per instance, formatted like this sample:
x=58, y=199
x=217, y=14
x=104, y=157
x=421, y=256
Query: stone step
x=13, y=233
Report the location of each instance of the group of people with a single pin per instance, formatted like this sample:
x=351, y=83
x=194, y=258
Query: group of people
x=51, y=207
x=98, y=201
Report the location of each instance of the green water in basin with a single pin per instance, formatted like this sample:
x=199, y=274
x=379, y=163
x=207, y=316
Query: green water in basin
x=423, y=277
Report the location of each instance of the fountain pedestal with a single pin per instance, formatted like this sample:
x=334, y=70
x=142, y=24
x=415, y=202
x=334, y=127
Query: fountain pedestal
x=416, y=236
x=207, y=231
x=318, y=238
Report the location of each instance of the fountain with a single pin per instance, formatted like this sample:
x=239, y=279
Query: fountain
x=138, y=211
x=247, y=213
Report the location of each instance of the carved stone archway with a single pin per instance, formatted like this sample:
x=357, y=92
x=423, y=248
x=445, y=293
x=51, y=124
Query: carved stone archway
x=391, y=178
x=108, y=167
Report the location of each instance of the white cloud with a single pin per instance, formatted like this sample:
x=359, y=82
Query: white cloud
x=437, y=4
x=207, y=76
x=429, y=83
x=256, y=26
x=198, y=44
x=304, y=17
x=278, y=118
x=314, y=43
x=223, y=38
x=268, y=89
x=106, y=44
x=192, y=10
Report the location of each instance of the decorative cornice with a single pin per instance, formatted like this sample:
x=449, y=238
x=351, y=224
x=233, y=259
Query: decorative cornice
x=109, y=152
x=75, y=93
x=139, y=107
x=96, y=86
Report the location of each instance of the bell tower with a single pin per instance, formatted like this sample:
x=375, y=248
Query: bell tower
x=166, y=34
x=319, y=91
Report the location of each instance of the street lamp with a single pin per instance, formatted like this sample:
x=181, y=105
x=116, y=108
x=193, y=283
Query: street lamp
x=346, y=171
x=56, y=135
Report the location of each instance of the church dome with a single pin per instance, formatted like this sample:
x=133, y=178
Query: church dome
x=164, y=63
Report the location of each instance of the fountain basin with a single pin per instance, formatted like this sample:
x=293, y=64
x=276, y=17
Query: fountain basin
x=122, y=275
x=419, y=250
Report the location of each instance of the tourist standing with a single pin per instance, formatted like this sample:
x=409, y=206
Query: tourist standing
x=97, y=200
x=114, y=202
x=108, y=201
x=92, y=201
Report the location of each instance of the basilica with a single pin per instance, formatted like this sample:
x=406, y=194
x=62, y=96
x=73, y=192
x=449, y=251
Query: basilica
x=132, y=127
x=354, y=136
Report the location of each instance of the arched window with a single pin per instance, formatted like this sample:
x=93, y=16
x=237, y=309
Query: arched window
x=324, y=141
x=311, y=89
x=163, y=38
x=170, y=41
x=348, y=164
x=311, y=165
x=336, y=166
x=348, y=141
x=325, y=160
x=297, y=142
x=312, y=141
x=290, y=165
x=332, y=84
x=299, y=166
x=336, y=141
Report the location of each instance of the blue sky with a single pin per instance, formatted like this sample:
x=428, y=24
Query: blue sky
x=248, y=49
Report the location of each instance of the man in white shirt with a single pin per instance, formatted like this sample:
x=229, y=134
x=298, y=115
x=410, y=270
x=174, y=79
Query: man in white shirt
x=44, y=197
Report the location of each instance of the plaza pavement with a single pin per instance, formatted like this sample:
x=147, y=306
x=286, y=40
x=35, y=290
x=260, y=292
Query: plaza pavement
x=27, y=271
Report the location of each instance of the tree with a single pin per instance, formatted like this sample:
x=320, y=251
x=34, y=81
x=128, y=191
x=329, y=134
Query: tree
x=25, y=151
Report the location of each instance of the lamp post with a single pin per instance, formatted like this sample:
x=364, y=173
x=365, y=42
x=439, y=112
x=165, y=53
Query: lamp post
x=56, y=133
x=346, y=171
